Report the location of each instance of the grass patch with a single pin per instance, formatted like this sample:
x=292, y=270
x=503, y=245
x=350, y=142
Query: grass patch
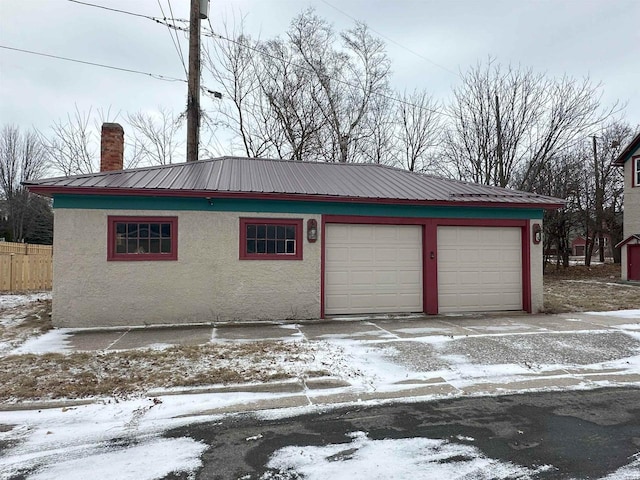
x=121, y=373
x=582, y=289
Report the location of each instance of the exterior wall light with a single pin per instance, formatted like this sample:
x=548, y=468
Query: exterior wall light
x=537, y=233
x=312, y=230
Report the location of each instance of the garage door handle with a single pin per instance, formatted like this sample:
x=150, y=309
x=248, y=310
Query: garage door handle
x=432, y=256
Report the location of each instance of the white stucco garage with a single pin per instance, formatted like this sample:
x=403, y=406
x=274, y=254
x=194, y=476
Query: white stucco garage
x=241, y=239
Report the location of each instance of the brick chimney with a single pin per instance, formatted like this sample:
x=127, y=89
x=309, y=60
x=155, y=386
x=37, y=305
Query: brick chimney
x=111, y=147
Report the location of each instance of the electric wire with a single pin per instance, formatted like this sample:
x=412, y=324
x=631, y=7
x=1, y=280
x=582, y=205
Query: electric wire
x=212, y=34
x=157, y=76
x=393, y=41
x=175, y=41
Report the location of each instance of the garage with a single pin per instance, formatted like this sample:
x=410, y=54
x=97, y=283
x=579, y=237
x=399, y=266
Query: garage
x=479, y=269
x=373, y=269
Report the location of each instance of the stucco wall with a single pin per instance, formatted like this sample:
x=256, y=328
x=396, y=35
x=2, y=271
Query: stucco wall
x=207, y=283
x=631, y=209
x=537, y=290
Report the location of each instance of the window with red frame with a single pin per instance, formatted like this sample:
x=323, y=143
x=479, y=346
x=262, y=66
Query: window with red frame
x=270, y=239
x=142, y=238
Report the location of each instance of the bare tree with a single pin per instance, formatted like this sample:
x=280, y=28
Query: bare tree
x=22, y=158
x=348, y=77
x=418, y=130
x=509, y=122
x=156, y=136
x=307, y=96
x=229, y=60
x=73, y=145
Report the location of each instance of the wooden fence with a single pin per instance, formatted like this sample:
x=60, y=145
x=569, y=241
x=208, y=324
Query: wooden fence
x=25, y=267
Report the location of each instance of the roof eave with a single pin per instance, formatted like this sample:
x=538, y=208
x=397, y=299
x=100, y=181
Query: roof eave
x=626, y=154
x=50, y=191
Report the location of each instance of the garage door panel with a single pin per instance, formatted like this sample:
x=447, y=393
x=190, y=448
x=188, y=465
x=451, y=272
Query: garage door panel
x=361, y=255
x=383, y=268
x=338, y=254
x=479, y=268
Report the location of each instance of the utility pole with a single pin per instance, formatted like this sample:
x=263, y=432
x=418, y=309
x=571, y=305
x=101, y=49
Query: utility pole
x=599, y=201
x=193, y=95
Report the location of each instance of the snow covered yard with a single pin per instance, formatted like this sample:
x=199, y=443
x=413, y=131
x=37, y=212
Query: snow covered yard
x=378, y=363
x=23, y=317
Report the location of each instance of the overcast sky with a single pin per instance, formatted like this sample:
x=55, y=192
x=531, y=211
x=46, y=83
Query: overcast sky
x=428, y=42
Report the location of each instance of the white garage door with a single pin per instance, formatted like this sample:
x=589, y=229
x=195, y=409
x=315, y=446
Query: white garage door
x=373, y=268
x=479, y=269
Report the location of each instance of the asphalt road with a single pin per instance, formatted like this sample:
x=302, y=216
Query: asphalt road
x=583, y=434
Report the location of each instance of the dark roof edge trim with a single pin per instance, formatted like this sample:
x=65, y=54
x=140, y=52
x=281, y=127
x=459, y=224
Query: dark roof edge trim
x=628, y=150
x=628, y=239
x=52, y=190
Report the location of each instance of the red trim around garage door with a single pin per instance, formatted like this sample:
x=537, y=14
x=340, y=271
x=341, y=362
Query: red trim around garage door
x=430, y=250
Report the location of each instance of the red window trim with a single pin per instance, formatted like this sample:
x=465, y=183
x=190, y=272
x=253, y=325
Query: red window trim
x=296, y=222
x=635, y=160
x=112, y=256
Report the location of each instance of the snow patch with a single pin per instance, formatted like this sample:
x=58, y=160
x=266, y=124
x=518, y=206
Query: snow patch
x=146, y=461
x=415, y=458
x=635, y=314
x=54, y=341
x=12, y=301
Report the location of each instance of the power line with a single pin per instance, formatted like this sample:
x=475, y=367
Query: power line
x=212, y=34
x=176, y=40
x=157, y=76
x=344, y=82
x=125, y=12
x=393, y=41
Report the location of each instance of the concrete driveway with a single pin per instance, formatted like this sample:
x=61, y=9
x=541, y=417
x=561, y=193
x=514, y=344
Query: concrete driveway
x=384, y=357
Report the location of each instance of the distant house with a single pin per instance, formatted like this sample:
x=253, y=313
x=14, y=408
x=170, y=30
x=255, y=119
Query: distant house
x=240, y=239
x=629, y=159
x=578, y=246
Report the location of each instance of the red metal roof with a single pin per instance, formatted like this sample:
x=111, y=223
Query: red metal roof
x=266, y=178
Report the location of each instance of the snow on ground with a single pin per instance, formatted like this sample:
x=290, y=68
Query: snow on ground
x=147, y=460
x=109, y=439
x=618, y=313
x=12, y=301
x=54, y=341
x=415, y=458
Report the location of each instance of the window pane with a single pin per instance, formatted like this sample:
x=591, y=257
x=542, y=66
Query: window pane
x=291, y=231
x=251, y=231
x=271, y=231
x=280, y=232
x=143, y=230
x=132, y=229
x=262, y=231
x=280, y=246
x=165, y=245
x=154, y=230
x=120, y=247
x=271, y=246
x=121, y=228
x=261, y=246
x=143, y=245
x=291, y=246
x=154, y=245
x=251, y=246
x=165, y=230
x=132, y=245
